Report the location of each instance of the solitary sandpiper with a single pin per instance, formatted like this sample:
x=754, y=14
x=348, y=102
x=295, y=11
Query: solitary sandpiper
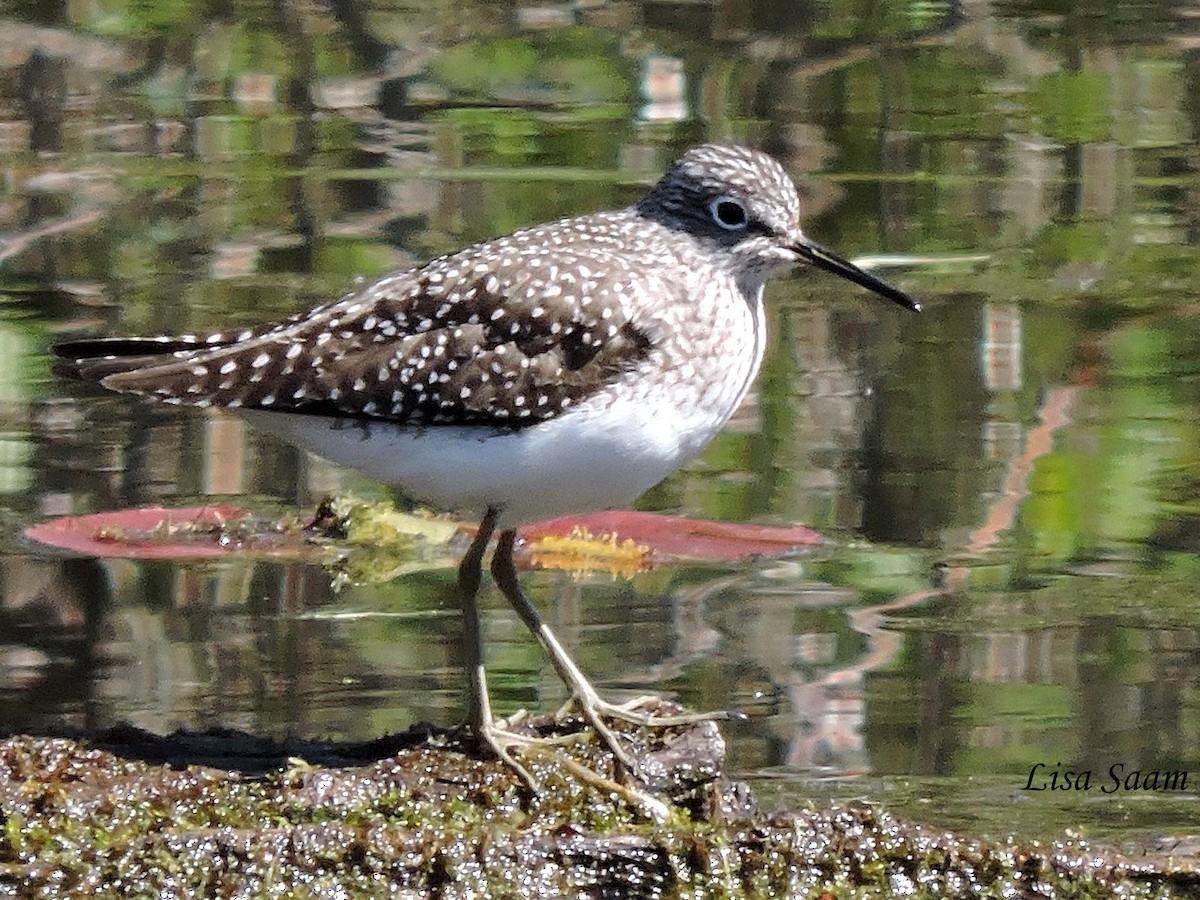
x=563, y=368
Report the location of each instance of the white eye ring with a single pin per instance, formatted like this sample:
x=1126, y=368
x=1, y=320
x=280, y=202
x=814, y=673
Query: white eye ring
x=729, y=213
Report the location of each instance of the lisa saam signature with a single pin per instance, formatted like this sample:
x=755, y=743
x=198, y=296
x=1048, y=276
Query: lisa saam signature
x=1120, y=778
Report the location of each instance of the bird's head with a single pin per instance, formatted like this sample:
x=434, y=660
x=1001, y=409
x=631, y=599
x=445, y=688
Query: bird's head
x=744, y=202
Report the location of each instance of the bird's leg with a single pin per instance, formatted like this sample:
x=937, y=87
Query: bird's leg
x=590, y=703
x=479, y=709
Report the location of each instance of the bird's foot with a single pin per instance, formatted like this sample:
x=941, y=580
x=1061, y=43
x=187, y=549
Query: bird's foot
x=496, y=737
x=595, y=710
x=633, y=712
x=501, y=741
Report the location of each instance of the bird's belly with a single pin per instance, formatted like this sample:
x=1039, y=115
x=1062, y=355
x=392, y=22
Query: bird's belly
x=588, y=459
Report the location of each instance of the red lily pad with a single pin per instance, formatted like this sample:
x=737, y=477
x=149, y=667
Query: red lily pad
x=697, y=539
x=209, y=532
x=197, y=532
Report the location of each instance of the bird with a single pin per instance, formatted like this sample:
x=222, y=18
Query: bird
x=563, y=368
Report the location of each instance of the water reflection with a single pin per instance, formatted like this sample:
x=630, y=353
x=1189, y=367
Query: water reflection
x=1011, y=477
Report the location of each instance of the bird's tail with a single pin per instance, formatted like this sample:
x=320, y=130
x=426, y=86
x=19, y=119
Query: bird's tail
x=94, y=359
x=243, y=368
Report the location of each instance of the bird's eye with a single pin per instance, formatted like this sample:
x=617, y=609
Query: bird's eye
x=728, y=213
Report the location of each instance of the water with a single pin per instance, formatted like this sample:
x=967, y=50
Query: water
x=1011, y=477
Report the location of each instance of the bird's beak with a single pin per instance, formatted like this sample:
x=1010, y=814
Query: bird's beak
x=813, y=253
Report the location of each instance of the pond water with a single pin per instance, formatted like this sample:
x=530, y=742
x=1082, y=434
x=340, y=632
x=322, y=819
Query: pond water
x=1011, y=479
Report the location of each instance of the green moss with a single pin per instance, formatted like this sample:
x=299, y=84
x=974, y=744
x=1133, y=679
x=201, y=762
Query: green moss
x=80, y=820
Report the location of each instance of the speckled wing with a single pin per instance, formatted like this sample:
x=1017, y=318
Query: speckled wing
x=499, y=333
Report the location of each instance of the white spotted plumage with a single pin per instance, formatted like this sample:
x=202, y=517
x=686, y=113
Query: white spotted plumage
x=615, y=343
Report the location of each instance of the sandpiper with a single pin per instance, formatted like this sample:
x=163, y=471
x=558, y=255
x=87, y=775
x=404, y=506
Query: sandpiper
x=564, y=368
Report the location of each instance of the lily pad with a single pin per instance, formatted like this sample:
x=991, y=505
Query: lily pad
x=154, y=532
x=674, y=538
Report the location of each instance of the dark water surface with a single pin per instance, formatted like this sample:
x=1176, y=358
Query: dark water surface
x=1013, y=477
